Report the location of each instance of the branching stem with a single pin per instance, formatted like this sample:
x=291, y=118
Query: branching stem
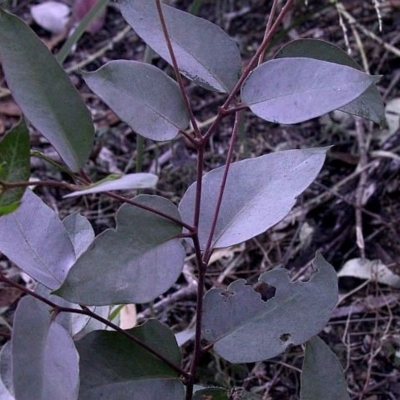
x=199, y=141
x=235, y=130
x=13, y=185
x=85, y=311
x=258, y=53
x=178, y=76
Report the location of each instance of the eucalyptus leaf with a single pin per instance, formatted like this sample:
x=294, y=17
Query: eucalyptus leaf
x=259, y=192
x=6, y=373
x=80, y=232
x=322, y=375
x=140, y=180
x=15, y=165
x=293, y=90
x=368, y=105
x=205, y=53
x=244, y=328
x=114, y=367
x=44, y=358
x=133, y=263
x=34, y=238
x=44, y=92
x=143, y=96
x=73, y=323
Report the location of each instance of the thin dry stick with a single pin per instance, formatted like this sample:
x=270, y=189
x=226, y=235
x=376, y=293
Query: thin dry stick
x=268, y=28
x=367, y=32
x=361, y=49
x=327, y=195
x=362, y=148
x=92, y=57
x=259, y=51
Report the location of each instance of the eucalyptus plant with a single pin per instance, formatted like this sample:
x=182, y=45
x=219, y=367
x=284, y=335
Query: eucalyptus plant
x=63, y=344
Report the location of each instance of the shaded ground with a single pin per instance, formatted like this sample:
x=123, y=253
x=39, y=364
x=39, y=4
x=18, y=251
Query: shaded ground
x=358, y=190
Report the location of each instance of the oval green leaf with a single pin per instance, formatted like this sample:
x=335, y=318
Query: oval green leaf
x=293, y=90
x=204, y=52
x=27, y=236
x=322, y=375
x=259, y=193
x=244, y=328
x=44, y=358
x=133, y=263
x=368, y=105
x=14, y=165
x=44, y=92
x=114, y=367
x=143, y=96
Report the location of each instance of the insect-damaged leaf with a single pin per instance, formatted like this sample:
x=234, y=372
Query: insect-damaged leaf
x=292, y=90
x=204, y=52
x=44, y=92
x=27, y=236
x=114, y=367
x=143, y=96
x=44, y=358
x=244, y=328
x=14, y=165
x=322, y=375
x=133, y=263
x=368, y=105
x=259, y=192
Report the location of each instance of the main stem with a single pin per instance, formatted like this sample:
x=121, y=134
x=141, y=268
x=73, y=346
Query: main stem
x=200, y=141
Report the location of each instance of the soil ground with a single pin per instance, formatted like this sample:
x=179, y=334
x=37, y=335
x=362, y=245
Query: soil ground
x=352, y=210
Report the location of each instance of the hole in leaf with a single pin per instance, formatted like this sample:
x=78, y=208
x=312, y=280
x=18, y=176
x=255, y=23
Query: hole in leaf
x=266, y=291
x=227, y=293
x=285, y=337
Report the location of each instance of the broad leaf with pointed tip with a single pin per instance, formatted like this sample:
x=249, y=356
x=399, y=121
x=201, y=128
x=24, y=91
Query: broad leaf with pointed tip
x=368, y=105
x=143, y=96
x=244, y=328
x=204, y=52
x=259, y=192
x=133, y=263
x=34, y=238
x=14, y=165
x=44, y=92
x=322, y=375
x=140, y=180
x=114, y=367
x=293, y=90
x=44, y=358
